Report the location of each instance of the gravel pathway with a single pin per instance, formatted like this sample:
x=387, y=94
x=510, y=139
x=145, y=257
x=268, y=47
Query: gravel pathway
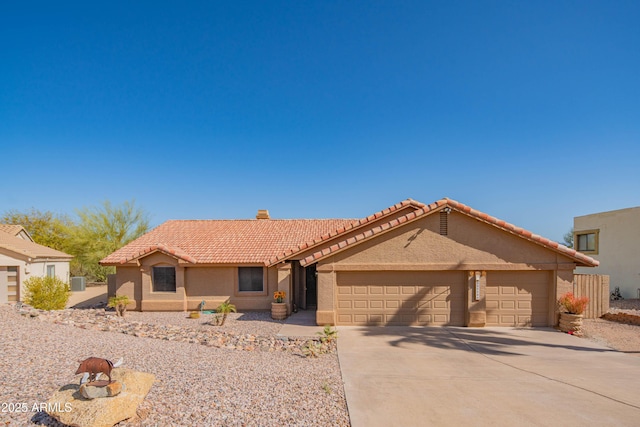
x=195, y=384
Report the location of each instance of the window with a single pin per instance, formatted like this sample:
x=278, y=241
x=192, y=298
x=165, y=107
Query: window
x=250, y=279
x=587, y=241
x=164, y=279
x=51, y=270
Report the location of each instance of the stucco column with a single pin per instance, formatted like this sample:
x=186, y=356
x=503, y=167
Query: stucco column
x=563, y=284
x=145, y=273
x=284, y=283
x=181, y=291
x=476, y=299
x=326, y=282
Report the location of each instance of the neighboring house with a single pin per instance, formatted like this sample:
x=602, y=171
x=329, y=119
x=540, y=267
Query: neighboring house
x=611, y=238
x=409, y=264
x=22, y=258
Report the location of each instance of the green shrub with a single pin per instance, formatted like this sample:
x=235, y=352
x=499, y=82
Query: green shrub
x=119, y=302
x=225, y=308
x=47, y=293
x=328, y=335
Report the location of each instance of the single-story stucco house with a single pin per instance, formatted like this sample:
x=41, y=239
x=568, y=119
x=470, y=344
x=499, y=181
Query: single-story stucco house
x=410, y=264
x=21, y=258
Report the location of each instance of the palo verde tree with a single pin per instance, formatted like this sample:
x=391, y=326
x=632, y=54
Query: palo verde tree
x=100, y=231
x=46, y=228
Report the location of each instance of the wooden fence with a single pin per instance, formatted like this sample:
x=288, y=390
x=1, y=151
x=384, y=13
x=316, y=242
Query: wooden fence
x=596, y=287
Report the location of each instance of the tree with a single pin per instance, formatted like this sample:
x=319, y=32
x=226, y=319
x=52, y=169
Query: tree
x=568, y=238
x=225, y=308
x=101, y=231
x=46, y=228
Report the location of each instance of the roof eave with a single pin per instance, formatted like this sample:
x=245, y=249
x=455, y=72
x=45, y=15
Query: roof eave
x=354, y=226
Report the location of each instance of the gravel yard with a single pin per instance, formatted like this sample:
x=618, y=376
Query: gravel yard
x=218, y=380
x=619, y=336
x=239, y=374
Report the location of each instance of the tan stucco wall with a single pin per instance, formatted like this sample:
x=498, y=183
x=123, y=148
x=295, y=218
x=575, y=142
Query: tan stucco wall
x=469, y=243
x=161, y=301
x=128, y=281
x=470, y=246
x=193, y=285
x=619, y=233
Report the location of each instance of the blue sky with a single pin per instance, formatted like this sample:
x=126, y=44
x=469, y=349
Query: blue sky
x=528, y=111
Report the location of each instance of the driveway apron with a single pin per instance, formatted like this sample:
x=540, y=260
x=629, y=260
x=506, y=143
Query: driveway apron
x=421, y=376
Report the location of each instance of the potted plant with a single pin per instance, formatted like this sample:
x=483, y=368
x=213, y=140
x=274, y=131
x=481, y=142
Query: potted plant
x=571, y=313
x=279, y=307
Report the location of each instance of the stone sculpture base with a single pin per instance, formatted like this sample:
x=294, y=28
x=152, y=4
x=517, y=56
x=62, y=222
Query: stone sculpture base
x=73, y=409
x=96, y=389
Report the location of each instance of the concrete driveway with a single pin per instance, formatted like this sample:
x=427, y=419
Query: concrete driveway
x=404, y=376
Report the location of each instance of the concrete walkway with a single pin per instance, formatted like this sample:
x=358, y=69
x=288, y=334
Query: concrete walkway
x=301, y=324
x=90, y=296
x=485, y=377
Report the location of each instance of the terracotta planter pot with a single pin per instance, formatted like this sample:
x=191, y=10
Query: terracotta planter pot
x=278, y=310
x=571, y=323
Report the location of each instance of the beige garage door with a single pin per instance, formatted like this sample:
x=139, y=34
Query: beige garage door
x=401, y=298
x=518, y=298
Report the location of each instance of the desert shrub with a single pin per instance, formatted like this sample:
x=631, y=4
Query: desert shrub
x=119, y=302
x=573, y=305
x=312, y=349
x=328, y=335
x=47, y=293
x=225, y=308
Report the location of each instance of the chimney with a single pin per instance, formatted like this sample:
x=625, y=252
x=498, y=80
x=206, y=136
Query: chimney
x=262, y=214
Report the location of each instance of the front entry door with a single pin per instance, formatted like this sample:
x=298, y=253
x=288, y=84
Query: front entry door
x=311, y=291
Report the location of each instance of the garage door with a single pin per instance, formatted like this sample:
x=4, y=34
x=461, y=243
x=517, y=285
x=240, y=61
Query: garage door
x=8, y=284
x=518, y=298
x=401, y=298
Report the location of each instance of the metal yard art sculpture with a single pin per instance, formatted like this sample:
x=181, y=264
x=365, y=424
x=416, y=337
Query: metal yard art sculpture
x=94, y=366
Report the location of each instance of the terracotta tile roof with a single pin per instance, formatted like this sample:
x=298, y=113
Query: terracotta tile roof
x=317, y=240
x=176, y=252
x=275, y=240
x=225, y=241
x=339, y=245
x=28, y=248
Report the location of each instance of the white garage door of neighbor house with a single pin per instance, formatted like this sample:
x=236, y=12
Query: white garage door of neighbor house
x=401, y=298
x=518, y=298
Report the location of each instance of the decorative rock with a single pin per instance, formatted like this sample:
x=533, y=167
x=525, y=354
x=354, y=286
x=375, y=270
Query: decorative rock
x=95, y=390
x=72, y=409
x=631, y=319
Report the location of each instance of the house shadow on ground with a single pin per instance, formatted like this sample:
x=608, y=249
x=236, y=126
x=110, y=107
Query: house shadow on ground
x=486, y=341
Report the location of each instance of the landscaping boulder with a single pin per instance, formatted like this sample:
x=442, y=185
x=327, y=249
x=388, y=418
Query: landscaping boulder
x=90, y=391
x=71, y=408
